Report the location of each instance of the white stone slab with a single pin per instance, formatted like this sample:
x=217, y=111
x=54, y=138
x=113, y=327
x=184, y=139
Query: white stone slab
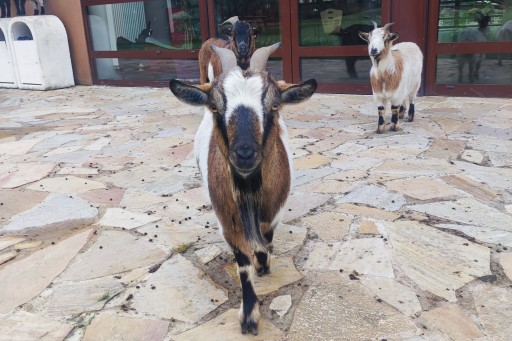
x=19, y=175
x=473, y=156
x=300, y=204
x=6, y=241
x=110, y=328
x=207, y=254
x=499, y=178
x=423, y=188
x=367, y=256
x=66, y=184
x=112, y=253
x=66, y=212
x=329, y=225
x=181, y=291
x=117, y=217
x=482, y=233
x=436, y=261
x=99, y=144
x=24, y=326
x=506, y=263
x=287, y=237
x=7, y=256
x=281, y=304
x=375, y=196
x=17, y=147
x=452, y=321
x=22, y=280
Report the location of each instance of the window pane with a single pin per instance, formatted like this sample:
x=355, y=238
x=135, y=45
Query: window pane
x=336, y=23
x=474, y=68
x=334, y=70
x=145, y=25
x=474, y=21
x=147, y=69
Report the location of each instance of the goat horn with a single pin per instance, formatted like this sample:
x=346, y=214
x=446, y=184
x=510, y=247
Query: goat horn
x=232, y=20
x=260, y=57
x=386, y=27
x=374, y=25
x=226, y=56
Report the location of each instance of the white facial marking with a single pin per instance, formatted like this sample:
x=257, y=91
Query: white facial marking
x=243, y=91
x=376, y=40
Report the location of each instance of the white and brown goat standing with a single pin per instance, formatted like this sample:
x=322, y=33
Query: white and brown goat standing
x=242, y=151
x=242, y=41
x=395, y=74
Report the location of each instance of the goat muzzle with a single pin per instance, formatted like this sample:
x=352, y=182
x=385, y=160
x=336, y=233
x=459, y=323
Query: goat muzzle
x=245, y=157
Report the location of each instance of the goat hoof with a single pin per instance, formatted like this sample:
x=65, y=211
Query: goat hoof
x=380, y=129
x=410, y=118
x=401, y=115
x=249, y=326
x=392, y=127
x=264, y=270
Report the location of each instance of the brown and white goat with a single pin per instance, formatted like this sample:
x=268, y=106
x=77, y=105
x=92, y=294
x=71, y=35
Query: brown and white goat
x=242, y=151
x=395, y=74
x=242, y=41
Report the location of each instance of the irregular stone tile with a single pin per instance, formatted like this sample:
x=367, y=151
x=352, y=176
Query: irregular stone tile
x=473, y=156
x=74, y=298
x=5, y=257
x=23, y=326
x=226, y=327
x=347, y=148
x=500, y=159
x=399, y=296
x=327, y=186
x=329, y=225
x=498, y=178
x=450, y=125
x=117, y=217
x=368, y=227
x=22, y=280
x=375, y=196
x=494, y=309
x=397, y=169
x=77, y=157
x=311, y=161
x=108, y=328
x=472, y=187
x=6, y=241
x=436, y=261
x=189, y=292
x=451, y=320
x=287, y=237
x=281, y=304
x=300, y=204
x=358, y=315
x=17, y=147
x=422, y=188
x=508, y=208
x=66, y=212
x=490, y=143
x=112, y=253
x=136, y=199
x=66, y=184
x=107, y=196
x=174, y=235
x=207, y=254
x=195, y=197
x=368, y=212
x=78, y=171
x=303, y=176
x=482, y=233
x=506, y=263
x=28, y=245
x=367, y=256
x=467, y=211
x=19, y=175
x=63, y=150
x=99, y=144
x=445, y=149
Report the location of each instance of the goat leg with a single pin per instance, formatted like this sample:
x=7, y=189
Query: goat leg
x=394, y=117
x=382, y=122
x=249, y=313
x=401, y=113
x=411, y=112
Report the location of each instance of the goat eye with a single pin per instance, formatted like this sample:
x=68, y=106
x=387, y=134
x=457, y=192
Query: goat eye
x=213, y=108
x=275, y=107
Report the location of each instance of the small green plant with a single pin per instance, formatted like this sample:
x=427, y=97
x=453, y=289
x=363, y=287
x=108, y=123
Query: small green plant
x=183, y=247
x=104, y=297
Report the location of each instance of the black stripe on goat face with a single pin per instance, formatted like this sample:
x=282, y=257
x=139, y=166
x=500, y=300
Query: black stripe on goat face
x=245, y=140
x=242, y=36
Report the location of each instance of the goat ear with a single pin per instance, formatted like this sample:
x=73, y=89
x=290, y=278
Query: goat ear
x=190, y=94
x=364, y=36
x=226, y=30
x=256, y=31
x=393, y=36
x=291, y=94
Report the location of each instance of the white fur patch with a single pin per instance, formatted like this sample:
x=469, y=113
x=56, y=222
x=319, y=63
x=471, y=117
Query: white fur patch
x=243, y=91
x=211, y=76
x=202, y=145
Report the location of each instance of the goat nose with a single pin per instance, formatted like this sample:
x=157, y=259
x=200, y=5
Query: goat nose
x=245, y=151
x=243, y=47
x=373, y=51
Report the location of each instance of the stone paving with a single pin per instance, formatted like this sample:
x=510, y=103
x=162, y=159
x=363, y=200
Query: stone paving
x=106, y=233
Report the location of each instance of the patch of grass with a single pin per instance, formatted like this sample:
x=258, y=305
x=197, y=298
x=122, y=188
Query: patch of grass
x=104, y=297
x=183, y=247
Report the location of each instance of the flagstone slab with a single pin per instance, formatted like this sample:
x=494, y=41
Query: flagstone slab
x=77, y=157
x=66, y=184
x=28, y=245
x=473, y=156
x=110, y=197
x=117, y=217
x=138, y=199
x=445, y=149
x=209, y=253
x=22, y=174
x=398, y=295
x=506, y=263
x=470, y=186
x=367, y=256
x=99, y=144
x=498, y=178
x=467, y=211
x=20, y=147
x=482, y=233
x=6, y=241
x=397, y=169
x=311, y=161
x=329, y=225
x=62, y=150
x=23, y=280
x=367, y=212
x=423, y=188
x=7, y=256
x=287, y=237
x=368, y=227
x=303, y=176
x=281, y=304
x=109, y=328
x=75, y=298
x=226, y=327
x=375, y=196
x=300, y=204
x=112, y=253
x=500, y=159
x=493, y=305
x=67, y=212
x=178, y=290
x=24, y=326
x=436, y=261
x=451, y=320
x=358, y=316
x=327, y=186
x=70, y=170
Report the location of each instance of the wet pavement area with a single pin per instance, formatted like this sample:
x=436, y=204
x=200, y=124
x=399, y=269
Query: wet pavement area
x=106, y=232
